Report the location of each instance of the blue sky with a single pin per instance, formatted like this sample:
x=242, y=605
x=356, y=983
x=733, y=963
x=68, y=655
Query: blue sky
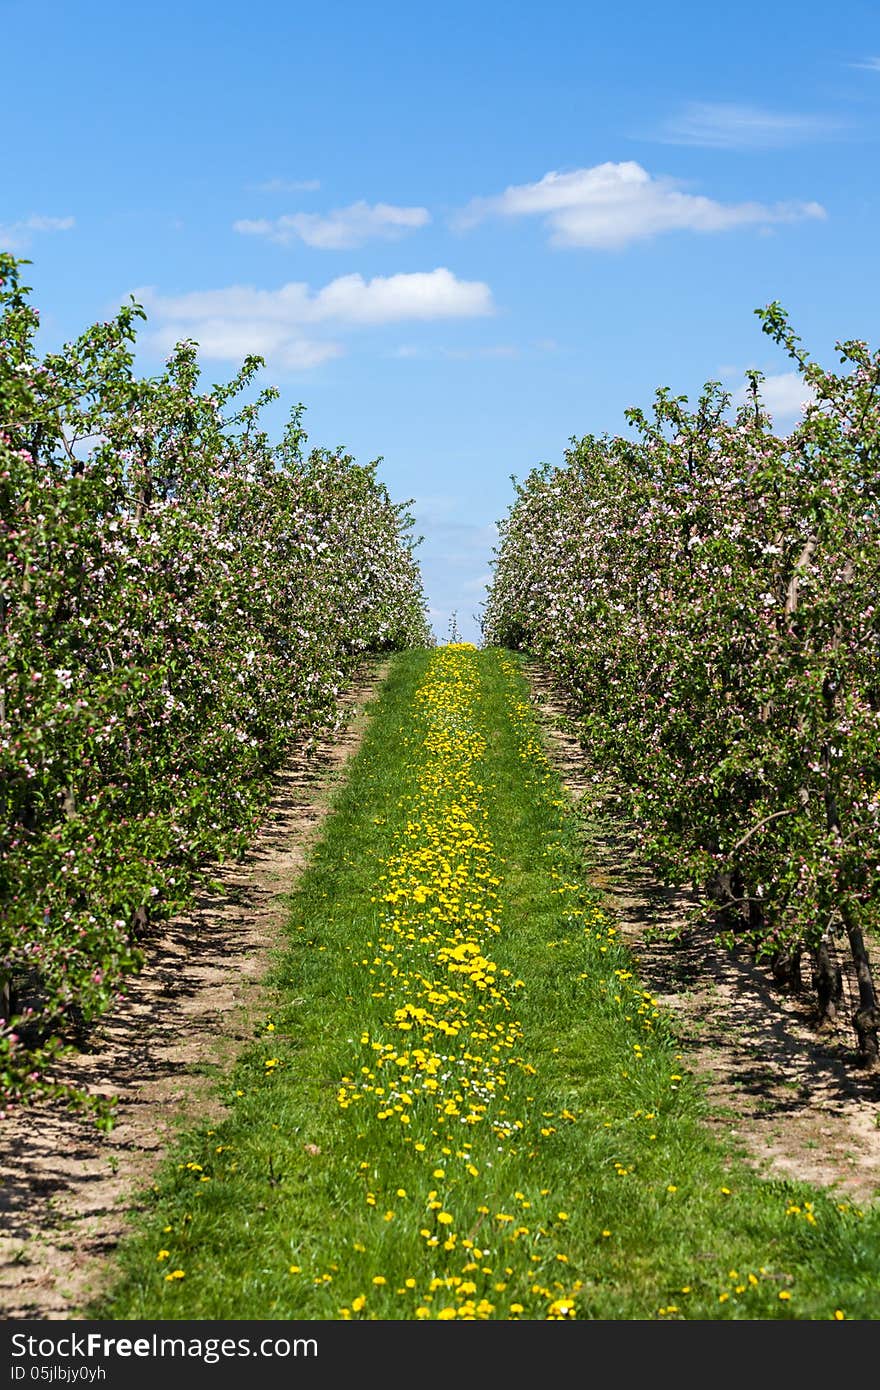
x=460, y=234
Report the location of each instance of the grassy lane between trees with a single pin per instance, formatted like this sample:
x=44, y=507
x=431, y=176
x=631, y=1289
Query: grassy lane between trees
x=464, y=1104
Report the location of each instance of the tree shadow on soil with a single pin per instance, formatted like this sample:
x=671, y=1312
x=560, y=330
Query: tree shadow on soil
x=792, y=1094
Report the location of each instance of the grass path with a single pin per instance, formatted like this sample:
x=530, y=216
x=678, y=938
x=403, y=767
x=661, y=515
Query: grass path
x=463, y=1103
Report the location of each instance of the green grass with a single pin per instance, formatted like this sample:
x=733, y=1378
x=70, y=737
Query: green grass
x=584, y=1184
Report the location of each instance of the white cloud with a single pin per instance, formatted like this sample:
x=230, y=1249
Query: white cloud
x=435, y=294
x=228, y=323
x=784, y=395
x=227, y=340
x=611, y=205
x=728, y=126
x=14, y=236
x=872, y=64
x=340, y=230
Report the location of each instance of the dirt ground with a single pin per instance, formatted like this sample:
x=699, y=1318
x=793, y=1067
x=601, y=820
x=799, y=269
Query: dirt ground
x=791, y=1098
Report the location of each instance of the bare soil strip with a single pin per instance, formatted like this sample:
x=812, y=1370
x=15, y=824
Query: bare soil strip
x=791, y=1096
x=66, y=1189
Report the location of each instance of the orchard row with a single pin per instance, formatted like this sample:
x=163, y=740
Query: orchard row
x=706, y=590
x=180, y=600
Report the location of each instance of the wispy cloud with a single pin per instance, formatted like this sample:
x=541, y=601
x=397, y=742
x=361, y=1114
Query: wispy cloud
x=341, y=230
x=609, y=206
x=489, y=352
x=286, y=325
x=728, y=126
x=288, y=186
x=15, y=236
x=492, y=352
x=455, y=561
x=871, y=64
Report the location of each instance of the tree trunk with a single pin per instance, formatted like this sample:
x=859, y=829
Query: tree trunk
x=827, y=980
x=866, y=1019
x=786, y=967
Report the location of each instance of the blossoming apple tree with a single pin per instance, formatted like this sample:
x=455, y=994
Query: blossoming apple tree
x=180, y=599
x=706, y=589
